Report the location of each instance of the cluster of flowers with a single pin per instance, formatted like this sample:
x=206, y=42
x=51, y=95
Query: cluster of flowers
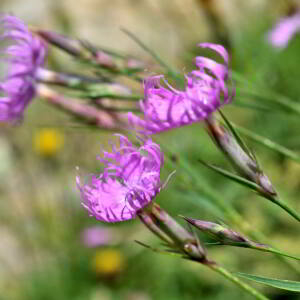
x=163, y=106
x=131, y=176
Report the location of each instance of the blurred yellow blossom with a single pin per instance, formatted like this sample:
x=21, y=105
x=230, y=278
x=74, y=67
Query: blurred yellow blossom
x=108, y=262
x=48, y=141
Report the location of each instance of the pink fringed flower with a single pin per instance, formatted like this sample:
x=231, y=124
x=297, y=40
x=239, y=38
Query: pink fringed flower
x=129, y=182
x=284, y=30
x=205, y=91
x=24, y=55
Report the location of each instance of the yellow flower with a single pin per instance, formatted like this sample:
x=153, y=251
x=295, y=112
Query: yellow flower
x=48, y=141
x=108, y=262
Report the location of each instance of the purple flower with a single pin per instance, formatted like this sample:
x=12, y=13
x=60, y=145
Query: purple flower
x=284, y=30
x=99, y=236
x=165, y=107
x=24, y=54
x=129, y=182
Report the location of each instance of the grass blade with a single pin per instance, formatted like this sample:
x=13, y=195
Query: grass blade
x=237, y=136
x=233, y=177
x=252, y=185
x=288, y=285
x=268, y=143
x=170, y=70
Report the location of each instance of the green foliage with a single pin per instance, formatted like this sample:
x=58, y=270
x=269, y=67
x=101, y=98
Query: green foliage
x=277, y=283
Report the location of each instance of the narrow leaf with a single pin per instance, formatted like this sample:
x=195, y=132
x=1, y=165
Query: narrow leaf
x=285, y=103
x=167, y=252
x=237, y=136
x=250, y=105
x=255, y=187
x=269, y=96
x=288, y=285
x=268, y=143
x=92, y=48
x=170, y=70
x=240, y=78
x=233, y=176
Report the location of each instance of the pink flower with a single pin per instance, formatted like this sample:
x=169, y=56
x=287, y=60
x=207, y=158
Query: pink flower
x=284, y=30
x=129, y=182
x=165, y=107
x=95, y=236
x=24, y=57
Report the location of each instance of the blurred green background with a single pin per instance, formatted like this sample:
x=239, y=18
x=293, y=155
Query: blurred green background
x=42, y=255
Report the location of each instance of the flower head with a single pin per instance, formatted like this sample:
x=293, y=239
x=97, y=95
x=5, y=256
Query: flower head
x=284, y=30
x=129, y=182
x=218, y=232
x=24, y=54
x=165, y=107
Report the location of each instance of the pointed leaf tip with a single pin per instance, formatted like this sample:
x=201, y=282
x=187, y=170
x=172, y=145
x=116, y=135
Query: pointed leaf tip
x=288, y=285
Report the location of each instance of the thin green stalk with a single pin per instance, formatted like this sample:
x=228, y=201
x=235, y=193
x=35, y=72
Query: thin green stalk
x=268, y=143
x=261, y=92
x=273, y=250
x=259, y=236
x=280, y=100
x=171, y=71
x=116, y=109
x=116, y=96
x=284, y=206
x=247, y=288
x=97, y=95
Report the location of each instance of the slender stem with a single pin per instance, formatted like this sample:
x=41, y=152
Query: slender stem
x=273, y=250
x=281, y=100
x=148, y=221
x=151, y=52
x=100, y=118
x=64, y=79
x=267, y=142
x=259, y=91
x=130, y=97
x=237, y=281
x=287, y=208
x=292, y=212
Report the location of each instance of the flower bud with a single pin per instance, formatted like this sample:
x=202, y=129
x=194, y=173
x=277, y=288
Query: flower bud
x=244, y=163
x=184, y=240
x=224, y=235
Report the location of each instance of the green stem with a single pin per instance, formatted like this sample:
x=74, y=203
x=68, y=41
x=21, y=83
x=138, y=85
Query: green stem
x=273, y=250
x=96, y=95
x=247, y=288
x=267, y=142
x=114, y=96
x=292, y=212
x=282, y=101
x=259, y=91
